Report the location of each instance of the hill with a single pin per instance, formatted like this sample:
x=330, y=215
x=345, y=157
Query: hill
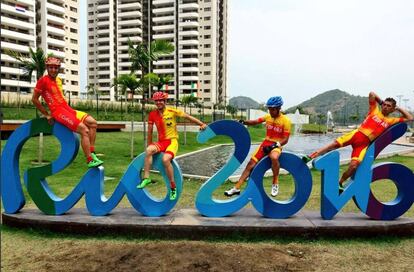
x=345, y=108
x=244, y=102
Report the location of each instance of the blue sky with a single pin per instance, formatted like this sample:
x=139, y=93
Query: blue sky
x=300, y=48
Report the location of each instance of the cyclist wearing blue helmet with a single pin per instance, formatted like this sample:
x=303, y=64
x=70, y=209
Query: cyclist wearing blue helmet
x=277, y=135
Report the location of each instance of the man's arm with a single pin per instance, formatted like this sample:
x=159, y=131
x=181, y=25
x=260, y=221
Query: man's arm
x=149, y=134
x=39, y=106
x=252, y=122
x=195, y=120
x=373, y=97
x=405, y=114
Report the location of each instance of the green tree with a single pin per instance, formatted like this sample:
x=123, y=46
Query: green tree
x=232, y=110
x=36, y=62
x=129, y=82
x=141, y=55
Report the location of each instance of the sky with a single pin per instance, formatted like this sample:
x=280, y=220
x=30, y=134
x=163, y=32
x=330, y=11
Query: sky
x=301, y=48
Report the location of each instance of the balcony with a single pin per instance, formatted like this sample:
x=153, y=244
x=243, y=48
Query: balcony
x=188, y=33
x=163, y=19
x=134, y=30
x=17, y=23
x=188, y=23
x=165, y=36
x=189, y=6
x=189, y=15
x=56, y=42
x=188, y=69
x=162, y=2
x=56, y=31
x=130, y=14
x=130, y=22
x=17, y=83
x=164, y=71
x=12, y=10
x=163, y=27
x=189, y=51
x=189, y=60
x=128, y=6
x=188, y=42
x=56, y=53
x=17, y=35
x=55, y=8
x=164, y=62
x=160, y=11
x=15, y=47
x=55, y=20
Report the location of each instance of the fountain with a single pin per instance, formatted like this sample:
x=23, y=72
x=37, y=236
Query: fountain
x=329, y=122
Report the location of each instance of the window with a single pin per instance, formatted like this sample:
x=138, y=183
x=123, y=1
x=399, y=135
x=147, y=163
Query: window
x=73, y=9
x=207, y=27
x=73, y=82
x=207, y=63
x=73, y=20
x=74, y=41
x=207, y=73
x=73, y=72
x=207, y=18
x=207, y=54
x=207, y=36
x=74, y=30
x=207, y=46
x=74, y=51
x=74, y=62
x=207, y=9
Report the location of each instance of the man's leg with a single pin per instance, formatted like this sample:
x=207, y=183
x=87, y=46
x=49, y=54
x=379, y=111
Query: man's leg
x=83, y=131
x=274, y=157
x=91, y=123
x=166, y=161
x=151, y=150
x=246, y=173
x=332, y=146
x=353, y=166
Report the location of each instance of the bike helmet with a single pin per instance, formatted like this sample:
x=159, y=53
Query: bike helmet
x=53, y=61
x=274, y=102
x=159, y=96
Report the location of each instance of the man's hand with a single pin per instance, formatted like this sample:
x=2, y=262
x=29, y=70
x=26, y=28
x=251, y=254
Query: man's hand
x=50, y=119
x=203, y=126
x=241, y=121
x=269, y=148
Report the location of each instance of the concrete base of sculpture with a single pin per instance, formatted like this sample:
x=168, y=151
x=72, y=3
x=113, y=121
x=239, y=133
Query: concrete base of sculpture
x=188, y=223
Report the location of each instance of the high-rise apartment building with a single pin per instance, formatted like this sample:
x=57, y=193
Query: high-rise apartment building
x=52, y=25
x=197, y=28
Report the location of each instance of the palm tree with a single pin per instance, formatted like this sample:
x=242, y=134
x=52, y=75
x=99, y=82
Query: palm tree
x=36, y=62
x=141, y=56
x=91, y=90
x=125, y=82
x=187, y=100
x=232, y=110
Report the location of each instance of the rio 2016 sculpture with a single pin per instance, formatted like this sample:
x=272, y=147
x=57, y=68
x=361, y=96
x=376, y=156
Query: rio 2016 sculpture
x=92, y=183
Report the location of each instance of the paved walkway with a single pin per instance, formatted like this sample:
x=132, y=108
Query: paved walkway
x=188, y=223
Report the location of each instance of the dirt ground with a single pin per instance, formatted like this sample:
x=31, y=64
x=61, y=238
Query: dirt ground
x=99, y=255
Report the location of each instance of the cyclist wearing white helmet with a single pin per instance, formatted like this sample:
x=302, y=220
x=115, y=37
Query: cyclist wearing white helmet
x=277, y=135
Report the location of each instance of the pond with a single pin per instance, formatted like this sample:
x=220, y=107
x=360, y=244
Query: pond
x=208, y=161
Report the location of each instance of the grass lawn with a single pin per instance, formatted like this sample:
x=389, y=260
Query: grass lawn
x=26, y=250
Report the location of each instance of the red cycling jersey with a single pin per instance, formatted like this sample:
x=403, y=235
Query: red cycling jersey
x=51, y=91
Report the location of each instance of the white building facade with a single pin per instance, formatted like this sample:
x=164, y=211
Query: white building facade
x=198, y=30
x=51, y=25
